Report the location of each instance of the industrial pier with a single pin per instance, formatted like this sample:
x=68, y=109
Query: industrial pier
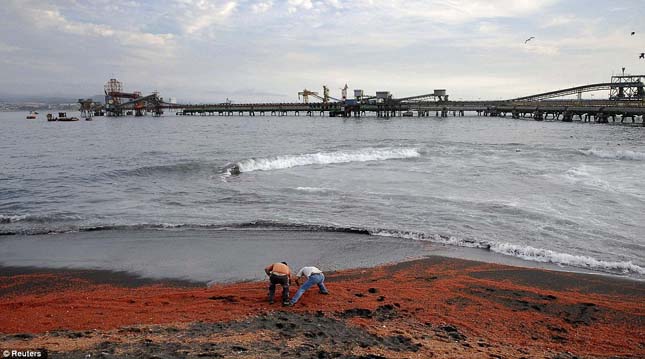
x=626, y=103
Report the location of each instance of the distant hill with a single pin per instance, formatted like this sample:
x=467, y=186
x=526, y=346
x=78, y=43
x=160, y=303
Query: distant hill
x=49, y=100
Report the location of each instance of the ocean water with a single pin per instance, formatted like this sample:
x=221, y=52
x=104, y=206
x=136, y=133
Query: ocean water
x=570, y=194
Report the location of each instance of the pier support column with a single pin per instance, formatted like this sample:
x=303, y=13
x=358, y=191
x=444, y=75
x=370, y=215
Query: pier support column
x=567, y=117
x=602, y=117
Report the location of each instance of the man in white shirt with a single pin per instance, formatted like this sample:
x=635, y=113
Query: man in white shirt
x=313, y=276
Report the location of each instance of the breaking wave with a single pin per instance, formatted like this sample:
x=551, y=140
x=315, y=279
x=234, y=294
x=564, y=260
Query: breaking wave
x=524, y=252
x=619, y=155
x=549, y=256
x=12, y=218
x=323, y=158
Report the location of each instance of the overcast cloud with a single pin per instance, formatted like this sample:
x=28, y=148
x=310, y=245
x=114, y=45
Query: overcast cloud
x=268, y=50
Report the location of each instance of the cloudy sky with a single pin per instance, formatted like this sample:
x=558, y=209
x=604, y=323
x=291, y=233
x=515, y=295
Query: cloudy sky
x=268, y=50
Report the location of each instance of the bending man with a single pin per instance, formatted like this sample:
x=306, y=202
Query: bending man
x=313, y=276
x=279, y=273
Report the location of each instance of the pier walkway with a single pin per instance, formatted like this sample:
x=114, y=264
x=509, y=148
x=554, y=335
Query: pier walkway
x=626, y=103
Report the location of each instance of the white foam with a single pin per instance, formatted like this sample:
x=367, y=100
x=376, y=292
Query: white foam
x=436, y=238
x=587, y=175
x=525, y=252
x=312, y=189
x=171, y=225
x=12, y=218
x=549, y=256
x=619, y=155
x=322, y=158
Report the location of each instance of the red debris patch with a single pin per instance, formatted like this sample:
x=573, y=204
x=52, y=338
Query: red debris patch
x=479, y=305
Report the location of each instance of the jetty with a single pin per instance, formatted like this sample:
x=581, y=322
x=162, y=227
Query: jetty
x=625, y=104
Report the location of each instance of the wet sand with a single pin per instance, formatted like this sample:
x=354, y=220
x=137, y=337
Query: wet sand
x=205, y=255
x=433, y=307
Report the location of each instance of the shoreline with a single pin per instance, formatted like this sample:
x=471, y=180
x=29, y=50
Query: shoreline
x=210, y=248
x=432, y=305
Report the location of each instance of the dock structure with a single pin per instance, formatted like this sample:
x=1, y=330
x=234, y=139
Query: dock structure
x=626, y=102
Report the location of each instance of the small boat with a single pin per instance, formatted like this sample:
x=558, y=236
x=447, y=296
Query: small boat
x=407, y=114
x=62, y=116
x=32, y=115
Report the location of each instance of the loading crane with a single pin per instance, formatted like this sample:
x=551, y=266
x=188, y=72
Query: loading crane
x=305, y=95
x=324, y=98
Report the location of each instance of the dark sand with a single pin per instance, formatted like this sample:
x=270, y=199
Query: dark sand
x=436, y=307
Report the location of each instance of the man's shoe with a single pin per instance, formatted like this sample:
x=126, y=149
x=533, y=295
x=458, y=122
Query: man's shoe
x=287, y=304
x=325, y=293
x=271, y=301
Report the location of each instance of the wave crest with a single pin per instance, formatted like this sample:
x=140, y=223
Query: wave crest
x=524, y=252
x=12, y=218
x=549, y=256
x=618, y=155
x=323, y=158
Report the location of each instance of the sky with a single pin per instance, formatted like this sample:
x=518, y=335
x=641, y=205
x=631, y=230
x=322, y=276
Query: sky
x=268, y=50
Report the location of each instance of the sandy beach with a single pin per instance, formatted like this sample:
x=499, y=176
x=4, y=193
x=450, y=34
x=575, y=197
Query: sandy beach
x=433, y=307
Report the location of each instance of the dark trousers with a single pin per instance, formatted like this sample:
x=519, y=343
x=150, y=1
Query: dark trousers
x=283, y=280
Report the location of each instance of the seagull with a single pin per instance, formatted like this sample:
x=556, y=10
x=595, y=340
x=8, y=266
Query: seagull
x=633, y=33
x=642, y=56
x=529, y=39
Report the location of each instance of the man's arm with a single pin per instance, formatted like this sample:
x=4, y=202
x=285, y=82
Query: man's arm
x=298, y=277
x=268, y=269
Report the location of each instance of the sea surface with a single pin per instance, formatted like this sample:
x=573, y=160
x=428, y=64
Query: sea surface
x=569, y=194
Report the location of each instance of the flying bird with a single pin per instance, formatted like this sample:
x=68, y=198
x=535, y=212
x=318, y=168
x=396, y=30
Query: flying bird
x=633, y=33
x=529, y=39
x=642, y=56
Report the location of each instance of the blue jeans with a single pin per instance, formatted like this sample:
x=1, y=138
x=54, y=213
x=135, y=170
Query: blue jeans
x=316, y=278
